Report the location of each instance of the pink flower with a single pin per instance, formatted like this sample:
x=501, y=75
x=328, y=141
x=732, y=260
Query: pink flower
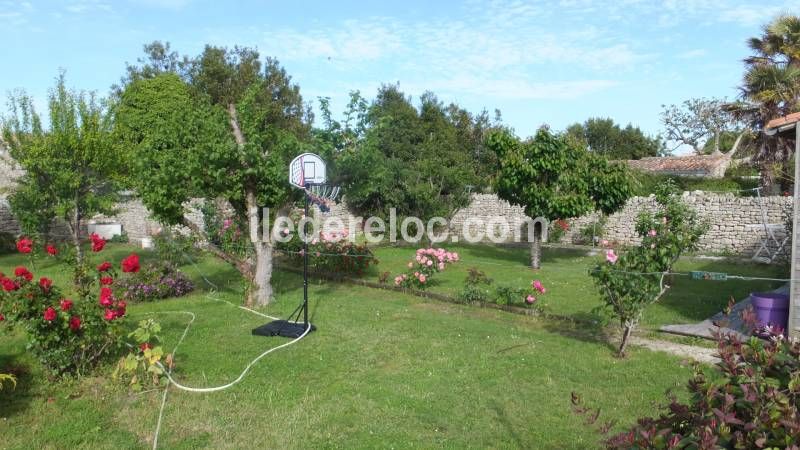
x=422, y=278
x=611, y=256
x=537, y=285
x=530, y=299
x=441, y=266
x=429, y=263
x=285, y=231
x=226, y=224
x=416, y=274
x=651, y=233
x=604, y=243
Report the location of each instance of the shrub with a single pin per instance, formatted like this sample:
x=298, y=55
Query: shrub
x=330, y=252
x=67, y=336
x=173, y=248
x=558, y=228
x=8, y=243
x=592, y=232
x=155, y=281
x=121, y=238
x=142, y=364
x=752, y=401
x=475, y=287
x=529, y=297
x=628, y=283
x=426, y=263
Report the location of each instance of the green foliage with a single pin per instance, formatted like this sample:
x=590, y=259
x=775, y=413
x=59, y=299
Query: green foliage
x=330, y=253
x=72, y=168
x=558, y=228
x=142, y=365
x=66, y=336
x=553, y=178
x=174, y=248
x=528, y=297
x=6, y=378
x=121, y=238
x=593, y=231
x=648, y=183
x=606, y=138
x=750, y=401
x=476, y=287
x=417, y=160
x=634, y=280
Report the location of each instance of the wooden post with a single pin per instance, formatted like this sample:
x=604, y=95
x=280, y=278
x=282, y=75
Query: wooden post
x=794, y=285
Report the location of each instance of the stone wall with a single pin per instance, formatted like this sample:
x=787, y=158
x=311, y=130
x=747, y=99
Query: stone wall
x=735, y=223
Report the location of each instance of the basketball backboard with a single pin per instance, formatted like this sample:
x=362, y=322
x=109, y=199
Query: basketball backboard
x=306, y=169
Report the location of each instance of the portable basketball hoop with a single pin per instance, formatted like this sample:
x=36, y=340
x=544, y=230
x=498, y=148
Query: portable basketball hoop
x=306, y=172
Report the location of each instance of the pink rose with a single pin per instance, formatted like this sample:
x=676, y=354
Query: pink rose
x=651, y=233
x=422, y=278
x=611, y=256
x=530, y=299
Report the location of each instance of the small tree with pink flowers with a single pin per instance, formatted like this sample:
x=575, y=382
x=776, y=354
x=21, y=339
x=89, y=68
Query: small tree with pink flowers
x=426, y=263
x=638, y=277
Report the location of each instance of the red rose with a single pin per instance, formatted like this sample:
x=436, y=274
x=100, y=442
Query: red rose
x=49, y=314
x=106, y=281
x=74, y=323
x=51, y=249
x=8, y=284
x=109, y=314
x=24, y=245
x=122, y=304
x=23, y=272
x=131, y=263
x=2, y=318
x=45, y=283
x=106, y=296
x=66, y=304
x=120, y=312
x=145, y=346
x=104, y=266
x=97, y=242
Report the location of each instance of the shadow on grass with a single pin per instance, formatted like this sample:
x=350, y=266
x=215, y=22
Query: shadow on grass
x=697, y=300
x=502, y=418
x=15, y=399
x=583, y=332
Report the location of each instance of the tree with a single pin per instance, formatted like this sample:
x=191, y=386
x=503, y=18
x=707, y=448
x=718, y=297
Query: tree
x=637, y=279
x=225, y=128
x=72, y=168
x=416, y=160
x=771, y=89
x=552, y=177
x=604, y=137
x=698, y=121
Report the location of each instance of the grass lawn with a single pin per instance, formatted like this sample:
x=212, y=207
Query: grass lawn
x=384, y=370
x=571, y=291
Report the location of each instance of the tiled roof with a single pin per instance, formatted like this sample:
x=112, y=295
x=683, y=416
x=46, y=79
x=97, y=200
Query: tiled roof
x=785, y=120
x=696, y=165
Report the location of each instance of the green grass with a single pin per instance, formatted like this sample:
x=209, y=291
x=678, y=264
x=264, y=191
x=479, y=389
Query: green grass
x=384, y=370
x=571, y=291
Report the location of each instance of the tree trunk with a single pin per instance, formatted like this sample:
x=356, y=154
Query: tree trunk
x=536, y=250
x=260, y=292
x=75, y=228
x=626, y=334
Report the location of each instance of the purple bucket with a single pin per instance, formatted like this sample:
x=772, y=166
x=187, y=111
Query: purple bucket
x=771, y=308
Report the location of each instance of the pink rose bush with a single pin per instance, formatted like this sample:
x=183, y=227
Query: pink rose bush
x=426, y=263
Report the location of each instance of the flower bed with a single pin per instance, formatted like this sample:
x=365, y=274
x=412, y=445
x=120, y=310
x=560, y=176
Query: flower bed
x=153, y=282
x=330, y=252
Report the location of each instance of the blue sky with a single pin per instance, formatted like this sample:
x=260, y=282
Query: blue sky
x=554, y=62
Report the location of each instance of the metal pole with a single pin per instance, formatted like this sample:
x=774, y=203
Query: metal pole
x=305, y=265
x=794, y=290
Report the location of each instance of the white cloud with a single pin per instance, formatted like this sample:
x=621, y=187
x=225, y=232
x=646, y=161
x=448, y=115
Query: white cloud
x=165, y=4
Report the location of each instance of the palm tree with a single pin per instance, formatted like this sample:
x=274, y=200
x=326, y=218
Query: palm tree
x=770, y=89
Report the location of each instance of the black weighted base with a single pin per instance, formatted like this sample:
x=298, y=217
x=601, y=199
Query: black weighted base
x=282, y=328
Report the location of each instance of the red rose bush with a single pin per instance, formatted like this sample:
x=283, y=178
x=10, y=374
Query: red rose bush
x=68, y=335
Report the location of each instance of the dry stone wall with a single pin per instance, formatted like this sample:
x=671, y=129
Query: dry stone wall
x=735, y=223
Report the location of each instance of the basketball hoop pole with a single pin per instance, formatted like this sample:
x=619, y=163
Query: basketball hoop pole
x=305, y=262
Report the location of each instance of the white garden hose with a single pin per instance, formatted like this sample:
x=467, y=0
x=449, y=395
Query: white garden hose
x=168, y=371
